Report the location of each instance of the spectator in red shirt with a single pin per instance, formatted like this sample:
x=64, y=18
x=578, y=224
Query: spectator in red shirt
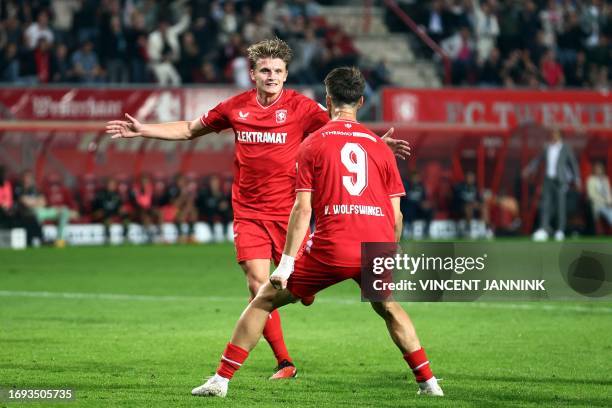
x=146, y=212
x=43, y=60
x=551, y=70
x=6, y=200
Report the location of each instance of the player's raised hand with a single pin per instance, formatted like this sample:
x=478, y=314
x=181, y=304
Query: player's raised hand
x=130, y=127
x=401, y=148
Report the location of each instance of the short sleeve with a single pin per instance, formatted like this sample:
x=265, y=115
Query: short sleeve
x=305, y=168
x=315, y=116
x=217, y=118
x=395, y=186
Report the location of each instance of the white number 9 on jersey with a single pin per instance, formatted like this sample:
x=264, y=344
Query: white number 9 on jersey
x=355, y=159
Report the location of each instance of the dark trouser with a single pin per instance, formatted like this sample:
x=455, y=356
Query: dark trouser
x=414, y=212
x=554, y=195
x=24, y=218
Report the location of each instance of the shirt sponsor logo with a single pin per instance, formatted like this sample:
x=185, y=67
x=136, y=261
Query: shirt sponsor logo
x=281, y=115
x=245, y=136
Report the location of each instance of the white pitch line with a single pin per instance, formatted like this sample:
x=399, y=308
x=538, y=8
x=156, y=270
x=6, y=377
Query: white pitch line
x=333, y=300
x=116, y=296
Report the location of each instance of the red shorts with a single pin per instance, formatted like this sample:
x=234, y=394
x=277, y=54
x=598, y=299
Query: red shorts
x=260, y=239
x=311, y=276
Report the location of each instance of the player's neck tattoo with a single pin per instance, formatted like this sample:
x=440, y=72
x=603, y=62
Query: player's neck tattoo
x=344, y=114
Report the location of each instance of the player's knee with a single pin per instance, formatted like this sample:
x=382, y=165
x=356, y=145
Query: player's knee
x=265, y=298
x=264, y=302
x=255, y=282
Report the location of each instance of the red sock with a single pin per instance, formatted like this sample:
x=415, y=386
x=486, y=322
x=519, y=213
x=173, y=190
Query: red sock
x=417, y=360
x=273, y=333
x=231, y=360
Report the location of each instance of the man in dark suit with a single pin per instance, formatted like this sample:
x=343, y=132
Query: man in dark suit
x=561, y=169
x=415, y=206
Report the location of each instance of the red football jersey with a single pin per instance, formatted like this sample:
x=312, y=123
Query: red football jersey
x=352, y=174
x=267, y=141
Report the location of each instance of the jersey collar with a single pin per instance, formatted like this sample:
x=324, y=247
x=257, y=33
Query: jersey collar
x=273, y=103
x=344, y=120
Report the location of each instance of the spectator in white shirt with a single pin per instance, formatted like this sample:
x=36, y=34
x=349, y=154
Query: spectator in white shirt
x=598, y=191
x=486, y=27
x=39, y=29
x=164, y=50
x=241, y=70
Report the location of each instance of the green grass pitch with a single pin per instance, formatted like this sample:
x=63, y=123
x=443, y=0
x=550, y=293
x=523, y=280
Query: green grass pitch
x=140, y=326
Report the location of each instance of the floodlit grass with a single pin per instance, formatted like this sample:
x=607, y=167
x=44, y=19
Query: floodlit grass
x=141, y=326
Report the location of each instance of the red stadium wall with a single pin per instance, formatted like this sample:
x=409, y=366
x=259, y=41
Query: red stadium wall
x=61, y=129
x=502, y=108
x=491, y=132
x=495, y=133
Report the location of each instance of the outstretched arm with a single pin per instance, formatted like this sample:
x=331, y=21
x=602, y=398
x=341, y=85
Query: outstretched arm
x=131, y=127
x=299, y=220
x=400, y=148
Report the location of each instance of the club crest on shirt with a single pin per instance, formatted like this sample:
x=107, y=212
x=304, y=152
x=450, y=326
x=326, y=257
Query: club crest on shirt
x=281, y=115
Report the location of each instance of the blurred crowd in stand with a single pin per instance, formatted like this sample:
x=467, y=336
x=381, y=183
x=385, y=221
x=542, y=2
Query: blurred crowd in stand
x=146, y=200
x=566, y=204
x=519, y=43
x=541, y=44
x=165, y=42
x=509, y=43
x=150, y=200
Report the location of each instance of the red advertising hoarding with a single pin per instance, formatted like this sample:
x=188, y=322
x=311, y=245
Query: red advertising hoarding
x=502, y=108
x=62, y=129
x=91, y=104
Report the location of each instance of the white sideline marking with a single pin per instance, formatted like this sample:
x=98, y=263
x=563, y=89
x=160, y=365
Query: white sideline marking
x=332, y=300
x=115, y=296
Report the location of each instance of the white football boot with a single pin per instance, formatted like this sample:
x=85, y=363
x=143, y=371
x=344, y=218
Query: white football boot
x=430, y=387
x=540, y=235
x=215, y=386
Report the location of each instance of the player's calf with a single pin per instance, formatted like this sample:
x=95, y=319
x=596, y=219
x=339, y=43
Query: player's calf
x=403, y=333
x=246, y=335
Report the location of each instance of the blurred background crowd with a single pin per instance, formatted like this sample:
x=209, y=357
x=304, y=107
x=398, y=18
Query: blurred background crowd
x=519, y=43
x=525, y=44
x=148, y=200
x=511, y=43
x=185, y=199
x=164, y=42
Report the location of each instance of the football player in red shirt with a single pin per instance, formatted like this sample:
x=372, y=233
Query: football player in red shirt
x=269, y=124
x=349, y=177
